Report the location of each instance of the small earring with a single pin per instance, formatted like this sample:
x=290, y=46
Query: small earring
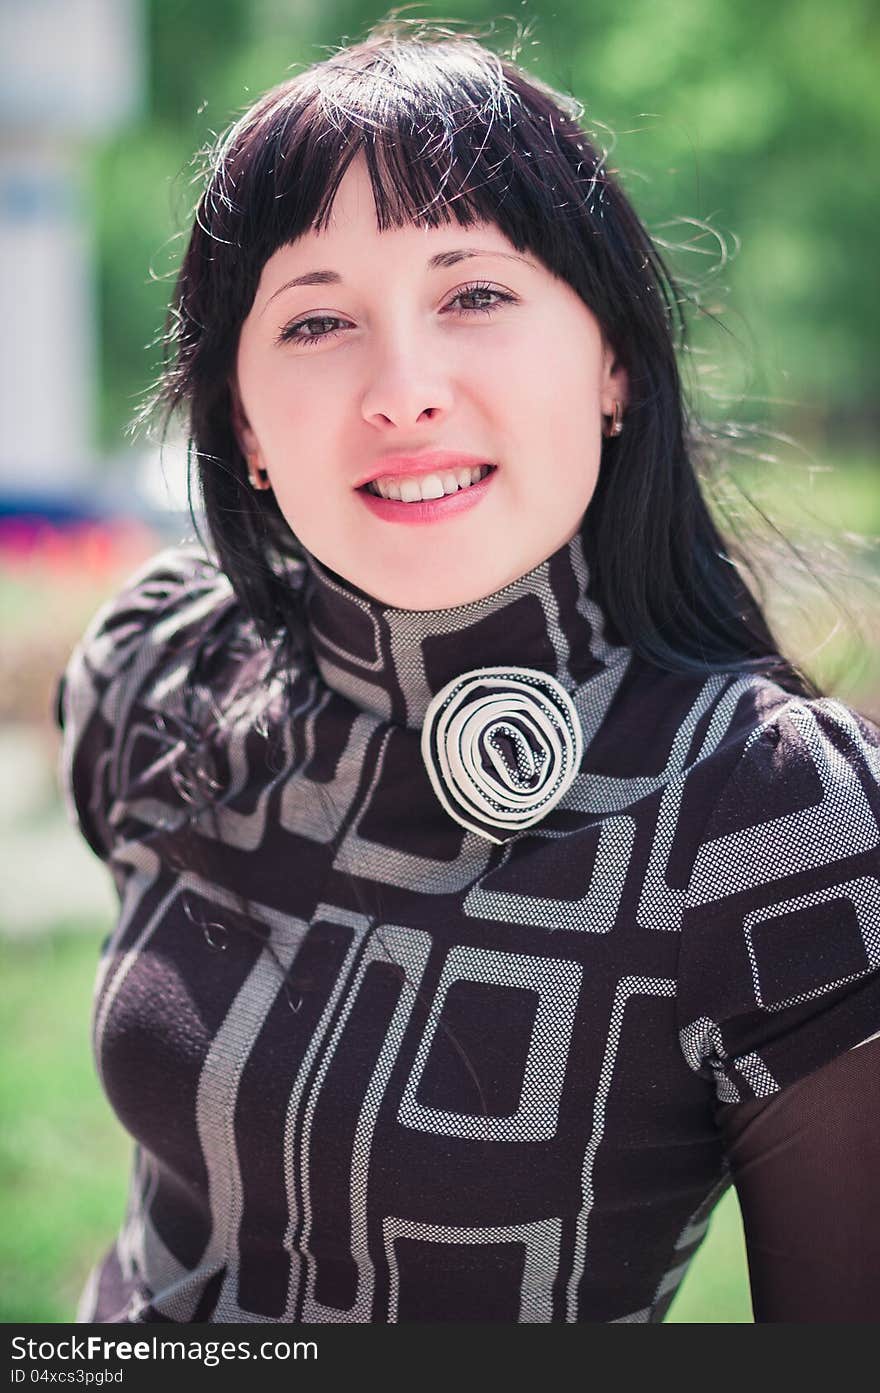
x=253, y=471
x=616, y=425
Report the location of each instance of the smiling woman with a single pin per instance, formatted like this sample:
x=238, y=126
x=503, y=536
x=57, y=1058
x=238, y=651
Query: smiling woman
x=493, y=891
x=408, y=368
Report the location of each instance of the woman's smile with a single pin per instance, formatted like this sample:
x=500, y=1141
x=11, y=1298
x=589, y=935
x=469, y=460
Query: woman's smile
x=415, y=382
x=418, y=502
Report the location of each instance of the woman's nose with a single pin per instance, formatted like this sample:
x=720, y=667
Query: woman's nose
x=406, y=383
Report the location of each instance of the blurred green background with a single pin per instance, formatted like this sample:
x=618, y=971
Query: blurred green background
x=746, y=137
x=759, y=120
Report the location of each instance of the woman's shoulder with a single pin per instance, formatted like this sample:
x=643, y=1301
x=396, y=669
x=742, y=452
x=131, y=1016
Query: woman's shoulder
x=776, y=762
x=738, y=732
x=163, y=609
x=794, y=746
x=167, y=599
x=177, y=587
x=780, y=960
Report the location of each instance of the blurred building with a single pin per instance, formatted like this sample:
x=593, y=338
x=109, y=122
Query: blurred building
x=71, y=72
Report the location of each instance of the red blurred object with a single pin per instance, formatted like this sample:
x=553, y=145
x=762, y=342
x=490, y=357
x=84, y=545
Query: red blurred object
x=31, y=547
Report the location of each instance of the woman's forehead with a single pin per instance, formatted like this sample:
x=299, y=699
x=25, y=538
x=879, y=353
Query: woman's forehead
x=352, y=234
x=354, y=205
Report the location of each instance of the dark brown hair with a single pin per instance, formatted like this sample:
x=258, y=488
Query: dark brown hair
x=451, y=131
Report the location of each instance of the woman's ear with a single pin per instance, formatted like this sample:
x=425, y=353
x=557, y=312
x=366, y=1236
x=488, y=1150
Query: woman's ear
x=247, y=441
x=615, y=381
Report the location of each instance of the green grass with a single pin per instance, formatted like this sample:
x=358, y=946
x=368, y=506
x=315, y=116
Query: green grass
x=63, y=1155
x=64, y=1158
x=716, y=1288
x=815, y=491
x=814, y=525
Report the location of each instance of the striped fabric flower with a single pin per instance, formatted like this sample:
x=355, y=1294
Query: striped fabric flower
x=501, y=746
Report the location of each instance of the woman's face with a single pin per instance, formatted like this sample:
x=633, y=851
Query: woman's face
x=395, y=354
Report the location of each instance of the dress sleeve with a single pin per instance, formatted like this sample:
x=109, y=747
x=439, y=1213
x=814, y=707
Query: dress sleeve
x=779, y=969
x=805, y=1164
x=119, y=651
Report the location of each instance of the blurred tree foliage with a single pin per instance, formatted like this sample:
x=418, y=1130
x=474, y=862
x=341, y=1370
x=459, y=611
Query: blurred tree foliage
x=744, y=133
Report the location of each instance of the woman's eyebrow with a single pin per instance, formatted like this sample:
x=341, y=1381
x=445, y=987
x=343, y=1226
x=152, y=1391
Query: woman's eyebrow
x=439, y=261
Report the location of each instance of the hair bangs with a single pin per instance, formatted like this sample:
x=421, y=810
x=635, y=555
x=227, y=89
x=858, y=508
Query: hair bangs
x=451, y=152
x=454, y=134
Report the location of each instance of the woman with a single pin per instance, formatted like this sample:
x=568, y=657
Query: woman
x=493, y=891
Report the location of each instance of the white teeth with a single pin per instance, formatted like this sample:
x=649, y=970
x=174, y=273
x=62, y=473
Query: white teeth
x=412, y=490
x=432, y=486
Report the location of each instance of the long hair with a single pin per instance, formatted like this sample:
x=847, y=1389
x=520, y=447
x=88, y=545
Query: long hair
x=452, y=132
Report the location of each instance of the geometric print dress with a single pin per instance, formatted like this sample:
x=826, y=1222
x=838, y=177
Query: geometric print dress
x=433, y=1020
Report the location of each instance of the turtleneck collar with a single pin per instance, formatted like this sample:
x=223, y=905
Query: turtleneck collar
x=392, y=662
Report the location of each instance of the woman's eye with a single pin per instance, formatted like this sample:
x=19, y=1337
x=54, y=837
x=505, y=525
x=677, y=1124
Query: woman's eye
x=501, y=297
x=300, y=331
x=291, y=333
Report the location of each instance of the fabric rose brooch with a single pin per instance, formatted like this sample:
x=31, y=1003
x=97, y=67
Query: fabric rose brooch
x=501, y=746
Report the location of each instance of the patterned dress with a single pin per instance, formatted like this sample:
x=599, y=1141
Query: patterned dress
x=432, y=1022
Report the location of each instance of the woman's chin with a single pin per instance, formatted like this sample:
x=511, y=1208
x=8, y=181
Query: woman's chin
x=463, y=584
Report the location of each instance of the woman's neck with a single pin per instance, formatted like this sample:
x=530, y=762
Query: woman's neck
x=392, y=662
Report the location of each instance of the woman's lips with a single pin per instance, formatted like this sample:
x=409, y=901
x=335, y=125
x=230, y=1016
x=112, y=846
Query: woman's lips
x=427, y=509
